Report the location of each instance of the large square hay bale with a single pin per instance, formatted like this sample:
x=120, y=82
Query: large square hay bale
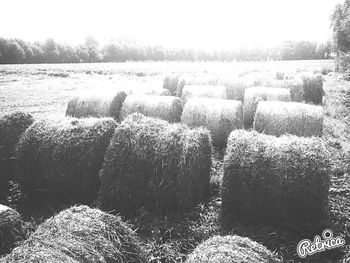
x=80, y=234
x=12, y=127
x=168, y=108
x=203, y=91
x=219, y=116
x=11, y=229
x=61, y=159
x=252, y=96
x=233, y=249
x=275, y=180
x=313, y=88
x=96, y=105
x=278, y=118
x=153, y=164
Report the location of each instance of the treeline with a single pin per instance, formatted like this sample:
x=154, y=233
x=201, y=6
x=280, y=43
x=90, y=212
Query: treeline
x=15, y=51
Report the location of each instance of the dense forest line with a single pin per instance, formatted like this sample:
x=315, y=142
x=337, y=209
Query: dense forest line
x=16, y=51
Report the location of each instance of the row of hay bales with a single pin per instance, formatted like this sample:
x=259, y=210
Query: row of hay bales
x=84, y=234
x=218, y=115
x=166, y=166
x=151, y=163
x=303, y=87
x=147, y=162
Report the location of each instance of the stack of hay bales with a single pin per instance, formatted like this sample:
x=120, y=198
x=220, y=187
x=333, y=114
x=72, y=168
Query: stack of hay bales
x=275, y=180
x=60, y=159
x=313, y=88
x=252, y=96
x=153, y=164
x=80, y=234
x=171, y=83
x=12, y=127
x=278, y=118
x=167, y=108
x=96, y=105
x=233, y=249
x=203, y=91
x=11, y=229
x=219, y=116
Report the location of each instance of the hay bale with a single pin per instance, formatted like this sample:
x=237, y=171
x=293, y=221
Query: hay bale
x=12, y=127
x=278, y=118
x=60, y=159
x=180, y=86
x=233, y=249
x=11, y=229
x=219, y=116
x=235, y=87
x=170, y=83
x=253, y=95
x=98, y=106
x=203, y=91
x=167, y=107
x=80, y=234
x=153, y=164
x=313, y=88
x=295, y=86
x=275, y=180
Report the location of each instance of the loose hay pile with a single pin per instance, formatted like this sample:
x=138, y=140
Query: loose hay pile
x=61, y=158
x=153, y=164
x=233, y=249
x=80, y=234
x=278, y=118
x=203, y=91
x=12, y=127
x=11, y=229
x=220, y=117
x=167, y=108
x=252, y=96
x=313, y=88
x=271, y=180
x=96, y=105
x=171, y=83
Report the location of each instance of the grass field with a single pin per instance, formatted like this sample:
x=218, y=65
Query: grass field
x=44, y=90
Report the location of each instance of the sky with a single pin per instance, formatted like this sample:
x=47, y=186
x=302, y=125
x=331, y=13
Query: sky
x=205, y=24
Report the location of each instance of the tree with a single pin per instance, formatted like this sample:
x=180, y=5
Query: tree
x=92, y=49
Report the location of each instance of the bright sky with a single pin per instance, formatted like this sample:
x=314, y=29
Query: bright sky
x=179, y=23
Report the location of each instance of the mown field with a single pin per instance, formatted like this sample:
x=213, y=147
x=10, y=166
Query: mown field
x=44, y=91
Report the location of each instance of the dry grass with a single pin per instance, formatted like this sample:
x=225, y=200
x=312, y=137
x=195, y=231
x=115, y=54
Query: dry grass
x=219, y=116
x=278, y=118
